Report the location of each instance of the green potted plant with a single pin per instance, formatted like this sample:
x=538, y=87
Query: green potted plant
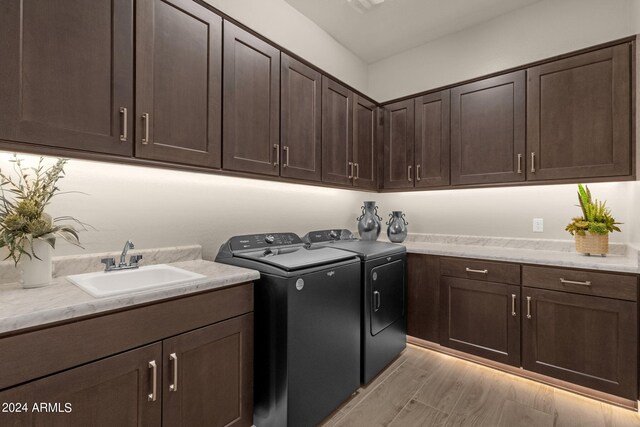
x=591, y=230
x=26, y=231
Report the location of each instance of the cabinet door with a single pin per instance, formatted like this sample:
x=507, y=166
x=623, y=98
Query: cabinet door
x=582, y=339
x=178, y=82
x=481, y=318
x=208, y=375
x=579, y=116
x=67, y=73
x=488, y=130
x=251, y=113
x=432, y=145
x=337, y=134
x=301, y=120
x=116, y=391
x=398, y=144
x=423, y=296
x=364, y=144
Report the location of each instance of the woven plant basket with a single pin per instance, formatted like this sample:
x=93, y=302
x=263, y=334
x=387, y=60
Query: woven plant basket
x=592, y=244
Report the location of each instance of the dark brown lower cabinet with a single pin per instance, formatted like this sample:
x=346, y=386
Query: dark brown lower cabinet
x=202, y=377
x=207, y=375
x=181, y=362
x=586, y=340
x=116, y=391
x=423, y=302
x=481, y=318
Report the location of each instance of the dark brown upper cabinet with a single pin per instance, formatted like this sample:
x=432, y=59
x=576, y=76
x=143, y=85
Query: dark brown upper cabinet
x=488, y=130
x=301, y=118
x=579, y=116
x=337, y=133
x=365, y=159
x=178, y=82
x=432, y=140
x=66, y=78
x=399, y=137
x=251, y=103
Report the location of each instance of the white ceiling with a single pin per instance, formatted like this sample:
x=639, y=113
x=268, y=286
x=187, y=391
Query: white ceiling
x=398, y=25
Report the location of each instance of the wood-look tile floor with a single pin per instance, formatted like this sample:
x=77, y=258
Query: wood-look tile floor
x=426, y=388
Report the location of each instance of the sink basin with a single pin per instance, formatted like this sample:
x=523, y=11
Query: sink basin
x=103, y=284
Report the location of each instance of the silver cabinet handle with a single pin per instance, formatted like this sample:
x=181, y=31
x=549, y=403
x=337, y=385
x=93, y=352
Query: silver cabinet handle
x=519, y=163
x=528, y=307
x=286, y=157
x=376, y=301
x=123, y=134
x=533, y=162
x=470, y=270
x=277, y=148
x=513, y=305
x=409, y=173
x=145, y=135
x=174, y=358
x=357, y=174
x=572, y=282
x=418, y=173
x=151, y=397
x=350, y=165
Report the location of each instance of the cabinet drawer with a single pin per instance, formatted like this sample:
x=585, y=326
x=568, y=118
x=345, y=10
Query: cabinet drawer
x=582, y=282
x=480, y=270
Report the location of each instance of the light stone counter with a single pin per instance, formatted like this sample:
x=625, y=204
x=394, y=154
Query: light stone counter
x=561, y=253
x=62, y=300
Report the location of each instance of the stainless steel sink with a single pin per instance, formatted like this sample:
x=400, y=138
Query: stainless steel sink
x=103, y=284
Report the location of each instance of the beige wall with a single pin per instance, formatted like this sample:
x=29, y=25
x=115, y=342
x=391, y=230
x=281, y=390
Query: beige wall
x=283, y=24
x=158, y=207
x=541, y=30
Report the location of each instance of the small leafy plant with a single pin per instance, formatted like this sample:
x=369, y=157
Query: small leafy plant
x=596, y=216
x=23, y=200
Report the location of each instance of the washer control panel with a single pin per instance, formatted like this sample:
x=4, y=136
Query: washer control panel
x=264, y=240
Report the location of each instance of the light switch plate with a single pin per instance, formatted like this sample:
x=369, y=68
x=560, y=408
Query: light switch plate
x=538, y=225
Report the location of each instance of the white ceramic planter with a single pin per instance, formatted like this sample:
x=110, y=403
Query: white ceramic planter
x=35, y=272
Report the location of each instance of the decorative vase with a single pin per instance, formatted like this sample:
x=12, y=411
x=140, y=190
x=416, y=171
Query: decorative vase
x=397, y=230
x=369, y=222
x=592, y=244
x=35, y=272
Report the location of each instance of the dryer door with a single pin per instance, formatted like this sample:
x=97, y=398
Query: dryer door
x=386, y=287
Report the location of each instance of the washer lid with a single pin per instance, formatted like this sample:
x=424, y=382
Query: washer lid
x=296, y=258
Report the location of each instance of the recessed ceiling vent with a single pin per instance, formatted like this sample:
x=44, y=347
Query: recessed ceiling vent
x=363, y=6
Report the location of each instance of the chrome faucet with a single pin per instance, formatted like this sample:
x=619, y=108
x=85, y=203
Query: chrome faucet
x=123, y=256
x=110, y=263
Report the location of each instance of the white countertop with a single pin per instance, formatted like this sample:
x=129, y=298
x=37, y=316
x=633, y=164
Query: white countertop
x=61, y=300
x=552, y=253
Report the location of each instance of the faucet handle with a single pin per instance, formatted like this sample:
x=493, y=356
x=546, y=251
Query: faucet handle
x=133, y=261
x=109, y=263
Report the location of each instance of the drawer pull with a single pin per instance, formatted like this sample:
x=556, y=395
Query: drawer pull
x=513, y=305
x=276, y=148
x=145, y=127
x=409, y=174
x=173, y=357
x=151, y=397
x=528, y=307
x=573, y=282
x=519, y=163
x=471, y=270
x=350, y=165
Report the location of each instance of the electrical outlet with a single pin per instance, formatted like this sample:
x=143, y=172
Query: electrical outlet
x=538, y=225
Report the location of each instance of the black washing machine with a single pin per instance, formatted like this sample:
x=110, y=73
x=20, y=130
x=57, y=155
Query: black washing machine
x=306, y=326
x=383, y=287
